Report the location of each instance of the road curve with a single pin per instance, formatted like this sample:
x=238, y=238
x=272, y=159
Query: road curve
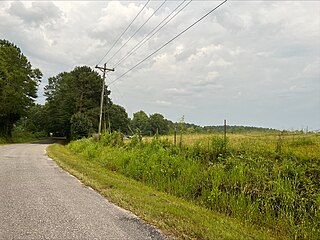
x=39, y=200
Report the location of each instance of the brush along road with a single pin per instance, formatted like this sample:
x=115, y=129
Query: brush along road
x=38, y=200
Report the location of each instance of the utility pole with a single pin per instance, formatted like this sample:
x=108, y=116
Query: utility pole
x=104, y=69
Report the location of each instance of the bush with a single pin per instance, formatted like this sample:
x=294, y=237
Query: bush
x=81, y=126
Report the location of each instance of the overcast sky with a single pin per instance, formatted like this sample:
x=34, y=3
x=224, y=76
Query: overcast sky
x=250, y=62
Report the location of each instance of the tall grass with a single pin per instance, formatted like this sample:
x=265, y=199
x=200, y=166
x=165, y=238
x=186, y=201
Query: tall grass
x=270, y=181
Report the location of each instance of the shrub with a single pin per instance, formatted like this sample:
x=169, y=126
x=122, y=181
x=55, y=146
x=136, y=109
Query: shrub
x=80, y=126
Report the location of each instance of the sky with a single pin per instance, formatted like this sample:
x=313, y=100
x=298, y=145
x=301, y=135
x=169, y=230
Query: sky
x=253, y=63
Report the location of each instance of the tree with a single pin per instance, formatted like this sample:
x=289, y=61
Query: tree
x=18, y=86
x=118, y=118
x=72, y=92
x=81, y=126
x=158, y=124
x=140, y=122
x=36, y=119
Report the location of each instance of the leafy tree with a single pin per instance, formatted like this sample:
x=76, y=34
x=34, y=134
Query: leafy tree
x=158, y=124
x=140, y=122
x=81, y=126
x=36, y=119
x=18, y=86
x=72, y=92
x=118, y=119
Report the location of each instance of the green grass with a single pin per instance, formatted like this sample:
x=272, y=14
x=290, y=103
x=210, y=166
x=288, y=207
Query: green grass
x=21, y=136
x=18, y=140
x=172, y=215
x=268, y=181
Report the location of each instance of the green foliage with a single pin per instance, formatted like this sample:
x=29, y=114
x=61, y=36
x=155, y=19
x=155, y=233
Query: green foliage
x=118, y=118
x=174, y=216
x=18, y=86
x=36, y=119
x=150, y=125
x=81, y=126
x=158, y=124
x=21, y=135
x=72, y=92
x=251, y=180
x=140, y=123
x=114, y=139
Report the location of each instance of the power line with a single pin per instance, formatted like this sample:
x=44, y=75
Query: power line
x=137, y=30
x=171, y=40
x=124, y=32
x=152, y=33
x=121, y=95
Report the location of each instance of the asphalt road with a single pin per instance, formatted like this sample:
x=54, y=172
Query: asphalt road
x=38, y=200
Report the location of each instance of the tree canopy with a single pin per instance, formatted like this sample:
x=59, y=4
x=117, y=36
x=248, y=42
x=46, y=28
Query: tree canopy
x=140, y=123
x=18, y=86
x=117, y=119
x=71, y=92
x=158, y=124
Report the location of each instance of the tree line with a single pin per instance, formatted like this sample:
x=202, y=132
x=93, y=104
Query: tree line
x=72, y=104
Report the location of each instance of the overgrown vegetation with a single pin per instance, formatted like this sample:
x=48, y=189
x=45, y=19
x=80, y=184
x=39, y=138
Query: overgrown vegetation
x=18, y=86
x=21, y=135
x=175, y=217
x=270, y=181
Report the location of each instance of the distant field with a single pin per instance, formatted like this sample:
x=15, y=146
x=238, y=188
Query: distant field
x=305, y=145
x=268, y=180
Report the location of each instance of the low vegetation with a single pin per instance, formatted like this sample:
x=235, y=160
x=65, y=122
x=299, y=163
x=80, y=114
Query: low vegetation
x=270, y=180
x=174, y=216
x=21, y=135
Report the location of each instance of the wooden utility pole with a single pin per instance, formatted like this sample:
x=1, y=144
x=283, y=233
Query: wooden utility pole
x=104, y=69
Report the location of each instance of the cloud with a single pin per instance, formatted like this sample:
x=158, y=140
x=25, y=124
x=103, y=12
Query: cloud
x=37, y=14
x=313, y=68
x=182, y=91
x=116, y=17
x=219, y=63
x=253, y=58
x=163, y=103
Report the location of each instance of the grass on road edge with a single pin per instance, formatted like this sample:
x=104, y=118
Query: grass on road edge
x=173, y=216
x=13, y=140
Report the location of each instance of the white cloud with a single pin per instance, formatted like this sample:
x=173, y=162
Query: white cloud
x=219, y=63
x=313, y=68
x=247, y=57
x=178, y=91
x=36, y=14
x=163, y=103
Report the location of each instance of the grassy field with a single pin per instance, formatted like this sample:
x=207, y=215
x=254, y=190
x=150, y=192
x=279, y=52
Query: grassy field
x=269, y=181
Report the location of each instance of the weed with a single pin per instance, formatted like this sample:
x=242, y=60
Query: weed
x=270, y=181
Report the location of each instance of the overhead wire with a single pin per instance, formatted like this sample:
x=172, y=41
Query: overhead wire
x=152, y=33
x=136, y=31
x=124, y=100
x=171, y=40
x=120, y=36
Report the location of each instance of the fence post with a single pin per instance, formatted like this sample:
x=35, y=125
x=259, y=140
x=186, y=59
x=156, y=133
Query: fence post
x=225, y=136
